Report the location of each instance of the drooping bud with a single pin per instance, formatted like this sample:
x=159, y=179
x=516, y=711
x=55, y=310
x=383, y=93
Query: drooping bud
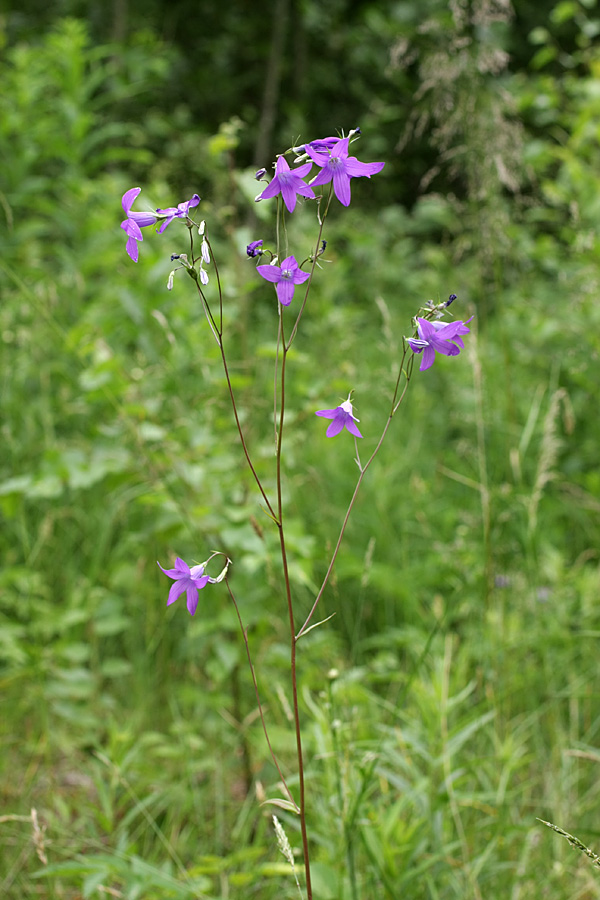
x=254, y=249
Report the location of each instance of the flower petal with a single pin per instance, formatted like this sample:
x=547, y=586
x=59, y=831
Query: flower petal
x=271, y=190
x=192, y=599
x=358, y=169
x=300, y=277
x=336, y=426
x=132, y=249
x=270, y=273
x=428, y=358
x=172, y=573
x=164, y=224
x=341, y=186
x=182, y=567
x=323, y=177
x=128, y=198
x=289, y=196
x=352, y=427
x=285, y=292
x=177, y=589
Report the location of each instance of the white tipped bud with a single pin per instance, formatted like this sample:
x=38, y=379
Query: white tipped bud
x=203, y=276
x=170, y=281
x=221, y=575
x=204, y=251
x=201, y=227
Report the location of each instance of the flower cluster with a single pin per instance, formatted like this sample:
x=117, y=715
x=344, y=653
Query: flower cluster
x=331, y=155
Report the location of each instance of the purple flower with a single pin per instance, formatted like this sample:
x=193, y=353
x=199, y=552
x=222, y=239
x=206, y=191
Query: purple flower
x=181, y=211
x=343, y=417
x=289, y=183
x=254, y=248
x=285, y=278
x=189, y=580
x=437, y=336
x=134, y=222
x=338, y=165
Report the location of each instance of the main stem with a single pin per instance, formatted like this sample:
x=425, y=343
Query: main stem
x=288, y=592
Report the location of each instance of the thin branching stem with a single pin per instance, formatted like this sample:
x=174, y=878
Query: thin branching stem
x=288, y=592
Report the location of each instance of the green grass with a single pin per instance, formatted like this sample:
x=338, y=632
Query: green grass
x=452, y=700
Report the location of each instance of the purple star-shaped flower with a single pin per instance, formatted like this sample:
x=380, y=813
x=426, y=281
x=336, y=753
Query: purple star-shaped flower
x=134, y=222
x=285, y=277
x=289, y=183
x=340, y=167
x=189, y=580
x=437, y=337
x=181, y=211
x=343, y=417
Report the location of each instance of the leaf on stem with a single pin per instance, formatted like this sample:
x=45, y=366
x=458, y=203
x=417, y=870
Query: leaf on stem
x=284, y=804
x=316, y=625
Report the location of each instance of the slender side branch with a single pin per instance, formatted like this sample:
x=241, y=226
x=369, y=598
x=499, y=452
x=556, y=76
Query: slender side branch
x=312, y=271
x=221, y=346
x=396, y=401
x=260, y=709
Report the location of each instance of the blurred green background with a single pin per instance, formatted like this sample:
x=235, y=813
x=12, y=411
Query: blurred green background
x=454, y=696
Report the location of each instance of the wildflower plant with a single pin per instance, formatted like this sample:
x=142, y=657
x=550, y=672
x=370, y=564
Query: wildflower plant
x=316, y=172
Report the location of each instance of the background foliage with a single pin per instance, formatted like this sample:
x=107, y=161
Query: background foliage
x=453, y=698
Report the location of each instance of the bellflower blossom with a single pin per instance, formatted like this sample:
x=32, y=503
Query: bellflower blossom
x=189, y=580
x=181, y=211
x=134, y=222
x=340, y=167
x=289, y=183
x=285, y=278
x=437, y=337
x=343, y=417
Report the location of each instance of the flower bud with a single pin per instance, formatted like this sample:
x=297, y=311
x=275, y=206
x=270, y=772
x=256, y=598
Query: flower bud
x=254, y=248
